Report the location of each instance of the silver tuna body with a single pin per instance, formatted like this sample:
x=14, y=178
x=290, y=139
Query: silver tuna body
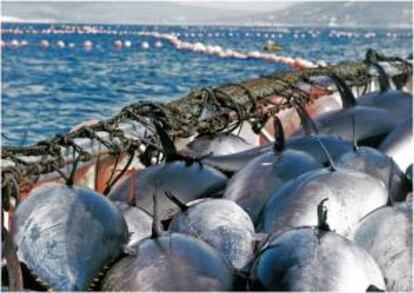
x=66, y=235
x=222, y=224
x=351, y=196
x=251, y=186
x=373, y=162
x=309, y=259
x=139, y=223
x=399, y=144
x=387, y=234
x=220, y=144
x=173, y=262
x=188, y=182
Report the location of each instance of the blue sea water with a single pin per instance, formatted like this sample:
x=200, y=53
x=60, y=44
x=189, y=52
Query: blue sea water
x=47, y=91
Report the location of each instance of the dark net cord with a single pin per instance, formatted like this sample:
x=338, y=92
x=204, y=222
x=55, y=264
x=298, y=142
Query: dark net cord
x=203, y=111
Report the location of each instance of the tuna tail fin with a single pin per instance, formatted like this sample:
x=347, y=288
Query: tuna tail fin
x=384, y=81
x=177, y=201
x=279, y=144
x=347, y=97
x=170, y=152
x=332, y=166
x=156, y=229
x=323, y=216
x=308, y=125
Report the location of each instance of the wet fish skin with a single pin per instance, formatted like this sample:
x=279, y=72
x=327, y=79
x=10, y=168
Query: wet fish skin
x=373, y=162
x=310, y=259
x=399, y=144
x=222, y=224
x=187, y=181
x=387, y=234
x=269, y=172
x=220, y=144
x=172, y=262
x=351, y=195
x=65, y=235
x=308, y=144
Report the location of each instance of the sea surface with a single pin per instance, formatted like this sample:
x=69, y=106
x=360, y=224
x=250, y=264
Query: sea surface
x=46, y=91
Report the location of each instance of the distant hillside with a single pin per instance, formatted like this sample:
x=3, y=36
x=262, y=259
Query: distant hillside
x=322, y=14
x=115, y=13
x=344, y=14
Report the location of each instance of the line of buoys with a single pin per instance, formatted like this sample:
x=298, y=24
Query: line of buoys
x=270, y=33
x=198, y=47
x=88, y=45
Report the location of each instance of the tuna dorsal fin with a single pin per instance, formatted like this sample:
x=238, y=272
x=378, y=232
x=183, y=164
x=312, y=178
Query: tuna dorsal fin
x=71, y=179
x=347, y=97
x=354, y=140
x=384, y=81
x=279, y=145
x=177, y=201
x=373, y=288
x=390, y=201
x=156, y=228
x=170, y=152
x=332, y=166
x=308, y=125
x=323, y=216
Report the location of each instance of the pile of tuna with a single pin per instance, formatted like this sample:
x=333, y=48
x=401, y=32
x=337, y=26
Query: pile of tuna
x=327, y=209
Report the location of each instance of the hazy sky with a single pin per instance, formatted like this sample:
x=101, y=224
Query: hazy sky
x=127, y=11
x=259, y=6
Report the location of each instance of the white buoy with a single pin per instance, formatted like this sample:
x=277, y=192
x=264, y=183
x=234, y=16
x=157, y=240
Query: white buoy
x=118, y=44
x=158, y=44
x=2, y=44
x=14, y=44
x=23, y=43
x=127, y=44
x=87, y=45
x=44, y=44
x=145, y=45
x=71, y=45
x=60, y=44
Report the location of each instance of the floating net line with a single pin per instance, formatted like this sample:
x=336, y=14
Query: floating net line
x=203, y=111
x=198, y=47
